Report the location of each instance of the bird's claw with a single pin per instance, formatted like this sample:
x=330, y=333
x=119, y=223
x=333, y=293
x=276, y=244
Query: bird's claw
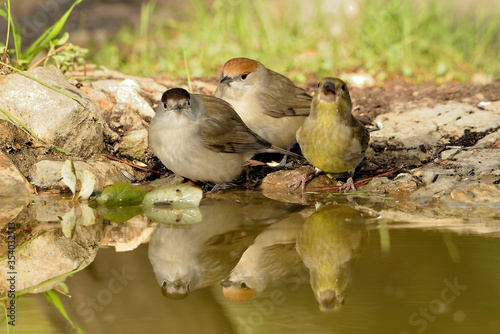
x=301, y=181
x=348, y=186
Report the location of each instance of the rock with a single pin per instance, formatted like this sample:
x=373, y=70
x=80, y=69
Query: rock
x=402, y=184
x=163, y=182
x=50, y=255
x=47, y=174
x=411, y=136
x=12, y=182
x=276, y=185
x=135, y=144
x=478, y=194
x=126, y=92
x=279, y=181
x=54, y=117
x=10, y=208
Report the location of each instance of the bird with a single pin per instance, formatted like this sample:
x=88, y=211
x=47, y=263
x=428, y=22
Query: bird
x=331, y=138
x=331, y=238
x=202, y=138
x=269, y=258
x=269, y=103
x=189, y=257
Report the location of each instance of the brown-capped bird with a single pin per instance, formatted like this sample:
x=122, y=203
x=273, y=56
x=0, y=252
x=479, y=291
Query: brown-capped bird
x=269, y=103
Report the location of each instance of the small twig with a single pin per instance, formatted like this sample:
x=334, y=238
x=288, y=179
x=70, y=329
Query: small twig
x=386, y=173
x=62, y=47
x=373, y=162
x=132, y=165
x=62, y=292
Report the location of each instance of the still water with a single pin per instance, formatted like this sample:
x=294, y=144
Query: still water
x=257, y=266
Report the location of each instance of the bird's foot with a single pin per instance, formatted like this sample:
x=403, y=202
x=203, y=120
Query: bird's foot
x=348, y=186
x=301, y=181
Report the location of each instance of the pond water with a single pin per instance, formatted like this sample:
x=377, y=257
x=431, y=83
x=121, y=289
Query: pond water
x=254, y=265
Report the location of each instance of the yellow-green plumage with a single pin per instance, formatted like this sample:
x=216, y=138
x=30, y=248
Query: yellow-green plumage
x=331, y=138
x=330, y=240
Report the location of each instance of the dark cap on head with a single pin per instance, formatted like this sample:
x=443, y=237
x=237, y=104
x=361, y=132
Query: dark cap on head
x=175, y=94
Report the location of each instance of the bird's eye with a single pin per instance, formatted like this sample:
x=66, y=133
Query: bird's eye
x=164, y=105
x=343, y=87
x=189, y=102
x=319, y=84
x=244, y=76
x=243, y=285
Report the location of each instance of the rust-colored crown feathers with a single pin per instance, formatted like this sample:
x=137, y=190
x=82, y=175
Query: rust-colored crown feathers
x=238, y=295
x=239, y=65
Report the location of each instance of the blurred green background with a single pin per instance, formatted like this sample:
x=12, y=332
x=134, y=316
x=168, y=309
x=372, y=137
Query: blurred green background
x=427, y=40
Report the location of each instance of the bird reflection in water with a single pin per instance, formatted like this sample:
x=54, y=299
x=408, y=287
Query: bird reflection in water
x=189, y=257
x=330, y=240
x=271, y=257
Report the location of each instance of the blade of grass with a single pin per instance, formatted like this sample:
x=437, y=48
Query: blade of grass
x=186, y=68
x=9, y=19
x=18, y=294
x=24, y=245
x=47, y=85
x=17, y=122
x=53, y=298
x=48, y=35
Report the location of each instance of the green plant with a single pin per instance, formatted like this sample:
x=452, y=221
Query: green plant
x=64, y=55
x=421, y=40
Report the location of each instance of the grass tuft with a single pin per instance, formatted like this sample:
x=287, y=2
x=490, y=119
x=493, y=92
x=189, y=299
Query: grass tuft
x=420, y=40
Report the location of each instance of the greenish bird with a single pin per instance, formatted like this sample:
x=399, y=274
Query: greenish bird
x=330, y=240
x=331, y=138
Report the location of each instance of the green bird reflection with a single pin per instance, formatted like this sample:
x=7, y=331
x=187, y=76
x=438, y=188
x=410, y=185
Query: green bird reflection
x=330, y=240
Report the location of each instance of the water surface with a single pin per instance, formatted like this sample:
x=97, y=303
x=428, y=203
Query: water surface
x=262, y=266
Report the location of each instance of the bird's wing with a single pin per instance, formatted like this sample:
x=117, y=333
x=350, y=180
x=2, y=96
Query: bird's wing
x=361, y=133
x=222, y=130
x=294, y=101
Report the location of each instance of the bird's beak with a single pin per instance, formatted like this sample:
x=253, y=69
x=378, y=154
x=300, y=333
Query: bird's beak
x=226, y=80
x=226, y=283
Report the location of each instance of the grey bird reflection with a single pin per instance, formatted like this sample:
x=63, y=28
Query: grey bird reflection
x=330, y=240
x=269, y=258
x=189, y=257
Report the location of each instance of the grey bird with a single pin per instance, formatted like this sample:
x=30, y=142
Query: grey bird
x=202, y=138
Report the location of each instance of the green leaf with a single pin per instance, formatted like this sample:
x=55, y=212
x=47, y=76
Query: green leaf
x=119, y=214
x=68, y=175
x=121, y=194
x=53, y=297
x=174, y=216
x=62, y=40
x=183, y=195
x=88, y=180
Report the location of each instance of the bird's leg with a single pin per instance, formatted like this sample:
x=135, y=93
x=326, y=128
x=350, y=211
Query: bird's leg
x=285, y=156
x=283, y=161
x=349, y=185
x=301, y=181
